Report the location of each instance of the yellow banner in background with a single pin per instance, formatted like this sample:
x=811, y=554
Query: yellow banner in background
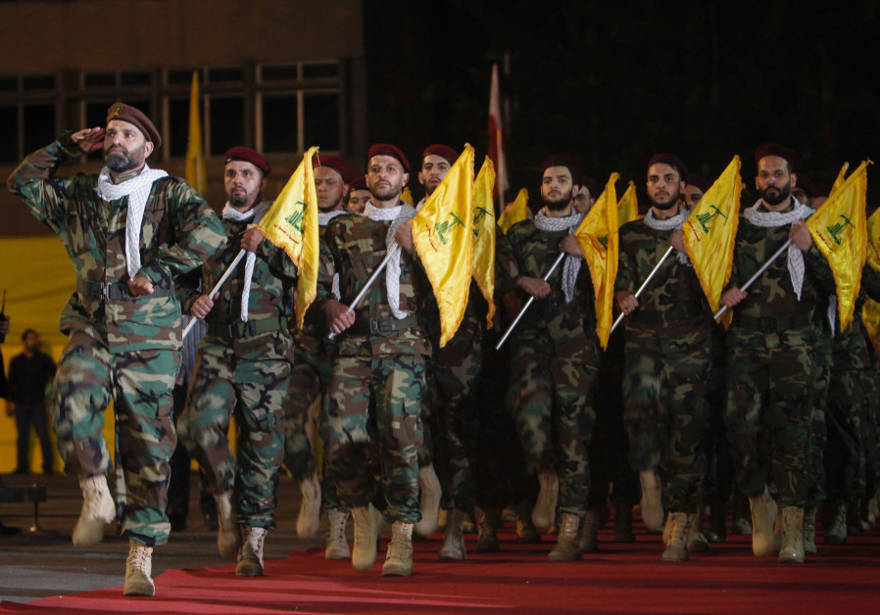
x=517, y=211
x=484, y=235
x=628, y=207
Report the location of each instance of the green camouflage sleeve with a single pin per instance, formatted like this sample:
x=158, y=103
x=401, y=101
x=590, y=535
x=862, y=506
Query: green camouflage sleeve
x=34, y=185
x=506, y=267
x=820, y=269
x=279, y=262
x=327, y=266
x=197, y=230
x=625, y=267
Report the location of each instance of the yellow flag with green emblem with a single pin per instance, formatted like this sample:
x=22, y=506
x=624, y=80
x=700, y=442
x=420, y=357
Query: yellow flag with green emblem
x=628, y=207
x=840, y=231
x=710, y=232
x=195, y=154
x=516, y=212
x=597, y=236
x=291, y=223
x=443, y=234
x=484, y=235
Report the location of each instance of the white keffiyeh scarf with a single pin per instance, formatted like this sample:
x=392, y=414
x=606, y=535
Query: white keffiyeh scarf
x=572, y=265
x=669, y=224
x=255, y=214
x=768, y=219
x=137, y=189
x=397, y=215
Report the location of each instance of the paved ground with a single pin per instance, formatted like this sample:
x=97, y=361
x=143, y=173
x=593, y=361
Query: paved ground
x=45, y=563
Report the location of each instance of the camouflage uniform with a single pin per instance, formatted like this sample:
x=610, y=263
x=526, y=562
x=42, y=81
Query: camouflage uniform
x=770, y=367
x=120, y=348
x=454, y=372
x=667, y=365
x=554, y=361
x=378, y=383
x=243, y=367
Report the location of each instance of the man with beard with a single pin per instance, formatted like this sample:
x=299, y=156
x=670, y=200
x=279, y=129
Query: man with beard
x=129, y=231
x=358, y=195
x=456, y=368
x=667, y=359
x=770, y=393
x=243, y=367
x=312, y=364
x=554, y=354
x=378, y=381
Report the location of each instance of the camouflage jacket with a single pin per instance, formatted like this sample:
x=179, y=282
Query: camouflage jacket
x=772, y=297
x=179, y=232
x=526, y=250
x=353, y=247
x=272, y=284
x=313, y=335
x=674, y=296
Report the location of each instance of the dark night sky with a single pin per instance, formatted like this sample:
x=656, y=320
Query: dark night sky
x=614, y=82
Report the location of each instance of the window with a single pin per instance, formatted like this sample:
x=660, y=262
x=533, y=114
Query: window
x=322, y=120
x=226, y=120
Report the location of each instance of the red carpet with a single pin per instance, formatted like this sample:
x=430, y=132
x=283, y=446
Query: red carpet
x=619, y=579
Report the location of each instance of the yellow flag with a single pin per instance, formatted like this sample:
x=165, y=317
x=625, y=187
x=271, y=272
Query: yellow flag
x=873, y=252
x=597, y=236
x=484, y=235
x=195, y=156
x=710, y=232
x=840, y=231
x=443, y=234
x=407, y=197
x=841, y=177
x=516, y=212
x=628, y=207
x=292, y=225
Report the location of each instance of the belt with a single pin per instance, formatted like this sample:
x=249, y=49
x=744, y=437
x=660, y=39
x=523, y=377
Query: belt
x=386, y=326
x=662, y=317
x=116, y=291
x=773, y=324
x=246, y=329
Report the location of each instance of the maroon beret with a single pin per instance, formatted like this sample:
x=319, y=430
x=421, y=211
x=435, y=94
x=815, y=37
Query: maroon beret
x=695, y=179
x=808, y=185
x=565, y=160
x=774, y=149
x=359, y=183
x=337, y=164
x=593, y=186
x=240, y=152
x=672, y=160
x=444, y=151
x=133, y=115
x=386, y=149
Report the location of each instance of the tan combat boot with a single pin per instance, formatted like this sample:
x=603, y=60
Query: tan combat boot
x=309, y=519
x=697, y=541
x=792, y=551
x=227, y=529
x=544, y=512
x=367, y=524
x=250, y=554
x=399, y=558
x=567, y=547
x=453, y=544
x=588, y=540
x=97, y=510
x=810, y=531
x=488, y=522
x=138, y=568
x=337, y=543
x=764, y=510
x=429, y=501
x=652, y=503
x=678, y=527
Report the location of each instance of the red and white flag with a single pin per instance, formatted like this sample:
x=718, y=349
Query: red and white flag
x=496, y=137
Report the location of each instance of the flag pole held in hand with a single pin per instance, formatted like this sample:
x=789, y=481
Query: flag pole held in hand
x=644, y=285
x=528, y=303
x=218, y=285
x=757, y=274
x=369, y=283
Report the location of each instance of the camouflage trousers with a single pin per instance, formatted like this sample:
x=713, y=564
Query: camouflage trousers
x=550, y=397
x=140, y=386
x=308, y=379
x=848, y=421
x=666, y=410
x=247, y=377
x=769, y=413
x=456, y=368
x=374, y=421
x=818, y=421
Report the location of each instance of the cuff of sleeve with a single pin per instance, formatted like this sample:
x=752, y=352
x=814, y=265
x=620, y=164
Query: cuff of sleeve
x=67, y=145
x=156, y=274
